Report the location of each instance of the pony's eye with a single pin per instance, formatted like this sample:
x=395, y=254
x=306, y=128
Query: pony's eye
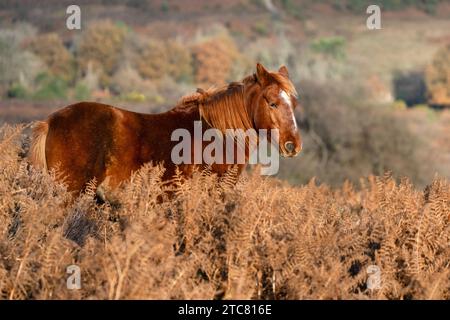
x=273, y=105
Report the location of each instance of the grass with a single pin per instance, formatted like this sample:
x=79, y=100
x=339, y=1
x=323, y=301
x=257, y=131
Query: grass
x=258, y=239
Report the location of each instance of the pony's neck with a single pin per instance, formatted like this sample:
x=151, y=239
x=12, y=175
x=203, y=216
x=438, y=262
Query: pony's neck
x=229, y=108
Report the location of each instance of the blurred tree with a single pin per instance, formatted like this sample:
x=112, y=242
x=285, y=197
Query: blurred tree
x=333, y=47
x=17, y=91
x=438, y=78
x=152, y=61
x=410, y=87
x=18, y=67
x=157, y=59
x=213, y=60
x=82, y=92
x=50, y=87
x=101, y=45
x=180, y=61
x=127, y=80
x=54, y=54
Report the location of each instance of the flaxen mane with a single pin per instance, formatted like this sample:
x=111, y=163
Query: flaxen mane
x=224, y=108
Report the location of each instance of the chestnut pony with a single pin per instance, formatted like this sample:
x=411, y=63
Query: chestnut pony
x=91, y=140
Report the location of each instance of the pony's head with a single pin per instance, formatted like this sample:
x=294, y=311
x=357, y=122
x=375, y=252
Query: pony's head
x=273, y=108
x=265, y=100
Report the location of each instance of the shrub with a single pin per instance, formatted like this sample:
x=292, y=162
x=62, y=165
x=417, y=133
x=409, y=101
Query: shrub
x=152, y=61
x=179, y=61
x=90, y=79
x=272, y=52
x=155, y=59
x=127, y=80
x=17, y=66
x=213, y=60
x=17, y=91
x=133, y=96
x=170, y=91
x=50, y=49
x=82, y=92
x=333, y=47
x=261, y=27
x=410, y=87
x=101, y=46
x=399, y=105
x=50, y=88
x=438, y=78
x=296, y=9
x=165, y=6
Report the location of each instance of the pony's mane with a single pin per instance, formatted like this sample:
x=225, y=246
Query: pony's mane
x=285, y=84
x=224, y=108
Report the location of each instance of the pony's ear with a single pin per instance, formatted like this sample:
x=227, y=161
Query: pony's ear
x=284, y=71
x=262, y=74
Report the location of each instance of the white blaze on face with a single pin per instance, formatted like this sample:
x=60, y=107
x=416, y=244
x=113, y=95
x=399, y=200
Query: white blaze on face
x=285, y=97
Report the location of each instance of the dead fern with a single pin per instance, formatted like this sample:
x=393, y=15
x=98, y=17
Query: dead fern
x=219, y=237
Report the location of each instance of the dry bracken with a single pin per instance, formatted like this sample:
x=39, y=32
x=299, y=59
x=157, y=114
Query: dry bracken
x=211, y=238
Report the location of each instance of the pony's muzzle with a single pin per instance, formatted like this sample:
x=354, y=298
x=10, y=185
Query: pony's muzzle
x=291, y=149
x=290, y=146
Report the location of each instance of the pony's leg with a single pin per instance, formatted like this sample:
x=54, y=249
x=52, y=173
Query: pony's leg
x=106, y=194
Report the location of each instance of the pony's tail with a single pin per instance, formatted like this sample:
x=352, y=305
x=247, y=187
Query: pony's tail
x=37, y=150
